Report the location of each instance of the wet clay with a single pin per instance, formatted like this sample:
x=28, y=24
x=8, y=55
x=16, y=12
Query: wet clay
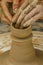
x=22, y=51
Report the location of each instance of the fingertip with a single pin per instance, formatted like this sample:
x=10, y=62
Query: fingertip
x=24, y=25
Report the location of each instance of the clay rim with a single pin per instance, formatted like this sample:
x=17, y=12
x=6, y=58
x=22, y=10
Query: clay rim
x=20, y=29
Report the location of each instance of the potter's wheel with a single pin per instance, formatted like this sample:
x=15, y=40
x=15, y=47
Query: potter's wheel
x=38, y=40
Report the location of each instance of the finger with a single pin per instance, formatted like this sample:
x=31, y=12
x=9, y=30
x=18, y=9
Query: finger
x=23, y=14
x=33, y=2
x=29, y=15
x=3, y=18
x=24, y=4
x=32, y=20
x=15, y=5
x=15, y=17
x=26, y=10
x=20, y=10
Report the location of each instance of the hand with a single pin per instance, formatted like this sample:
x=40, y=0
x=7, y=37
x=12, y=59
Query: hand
x=22, y=6
x=7, y=16
x=24, y=11
x=33, y=16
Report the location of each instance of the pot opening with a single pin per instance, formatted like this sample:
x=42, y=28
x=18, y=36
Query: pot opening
x=18, y=26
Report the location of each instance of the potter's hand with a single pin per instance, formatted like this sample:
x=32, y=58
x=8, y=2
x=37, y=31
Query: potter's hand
x=22, y=5
x=24, y=10
x=33, y=16
x=7, y=16
x=5, y=10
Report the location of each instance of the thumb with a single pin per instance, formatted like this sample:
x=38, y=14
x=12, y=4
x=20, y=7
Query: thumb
x=15, y=5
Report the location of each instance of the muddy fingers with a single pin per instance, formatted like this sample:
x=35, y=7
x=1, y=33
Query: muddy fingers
x=26, y=11
x=31, y=14
x=20, y=10
x=33, y=19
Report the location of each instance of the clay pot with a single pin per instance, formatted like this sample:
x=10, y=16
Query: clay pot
x=22, y=51
x=21, y=33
